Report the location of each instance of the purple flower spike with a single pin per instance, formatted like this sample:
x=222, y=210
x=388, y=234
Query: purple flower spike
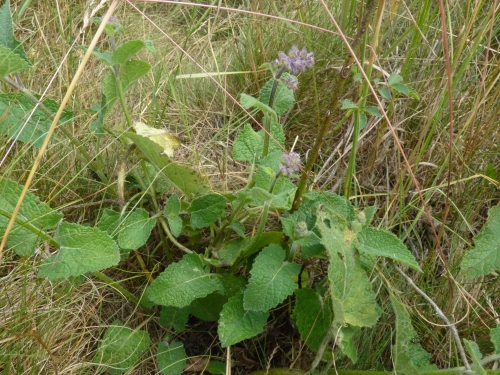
x=296, y=61
x=291, y=163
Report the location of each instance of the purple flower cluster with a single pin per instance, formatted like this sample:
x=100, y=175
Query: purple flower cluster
x=296, y=60
x=291, y=163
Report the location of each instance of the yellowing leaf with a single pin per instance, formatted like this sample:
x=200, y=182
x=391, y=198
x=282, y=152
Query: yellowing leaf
x=167, y=141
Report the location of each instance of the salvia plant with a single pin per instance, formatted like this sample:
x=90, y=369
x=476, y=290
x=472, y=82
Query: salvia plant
x=248, y=267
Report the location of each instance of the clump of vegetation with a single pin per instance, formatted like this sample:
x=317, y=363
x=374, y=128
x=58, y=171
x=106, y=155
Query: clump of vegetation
x=177, y=229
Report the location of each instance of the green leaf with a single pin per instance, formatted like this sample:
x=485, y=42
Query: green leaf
x=248, y=102
x=175, y=317
x=182, y=282
x=408, y=356
x=172, y=207
x=313, y=317
x=283, y=96
x=346, y=337
x=216, y=368
x=476, y=356
x=362, y=120
x=83, y=249
x=16, y=110
x=279, y=137
x=271, y=279
x=495, y=338
x=374, y=111
x=485, y=256
x=352, y=296
x=247, y=145
x=131, y=230
x=135, y=229
x=378, y=242
x=184, y=178
x=206, y=210
x=385, y=93
x=105, y=57
x=175, y=225
x=403, y=89
x=11, y=62
x=284, y=193
x=348, y=104
x=126, y=51
x=208, y=308
x=238, y=227
x=171, y=358
x=394, y=78
x=237, y=324
x=121, y=348
x=7, y=38
x=339, y=205
x=35, y=214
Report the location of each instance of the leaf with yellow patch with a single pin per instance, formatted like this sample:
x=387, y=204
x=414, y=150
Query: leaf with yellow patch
x=167, y=141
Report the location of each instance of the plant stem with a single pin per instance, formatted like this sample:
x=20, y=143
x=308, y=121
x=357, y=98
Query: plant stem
x=114, y=284
x=323, y=127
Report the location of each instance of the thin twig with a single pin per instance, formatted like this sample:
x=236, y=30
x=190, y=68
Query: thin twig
x=440, y=313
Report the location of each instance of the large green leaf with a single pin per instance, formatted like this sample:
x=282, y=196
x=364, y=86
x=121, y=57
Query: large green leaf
x=15, y=110
x=272, y=279
x=123, y=53
x=120, y=348
x=206, y=209
x=175, y=317
x=183, y=282
x=352, y=296
x=237, y=324
x=313, y=317
x=248, y=145
x=83, y=249
x=377, y=242
x=485, y=256
x=476, y=356
x=35, y=215
x=7, y=38
x=131, y=230
x=184, y=178
x=171, y=358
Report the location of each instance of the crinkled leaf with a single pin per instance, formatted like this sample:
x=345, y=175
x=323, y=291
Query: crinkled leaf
x=174, y=316
x=272, y=160
x=476, y=356
x=348, y=104
x=206, y=210
x=183, y=177
x=175, y=225
x=109, y=222
x=237, y=324
x=83, y=249
x=313, y=317
x=7, y=38
x=135, y=229
x=173, y=206
x=121, y=348
x=11, y=62
x=352, y=296
x=15, y=109
x=339, y=205
x=283, y=96
x=409, y=356
x=284, y=193
x=171, y=358
x=278, y=134
x=378, y=242
x=248, y=145
x=485, y=256
x=182, y=282
x=345, y=336
x=35, y=214
x=272, y=279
